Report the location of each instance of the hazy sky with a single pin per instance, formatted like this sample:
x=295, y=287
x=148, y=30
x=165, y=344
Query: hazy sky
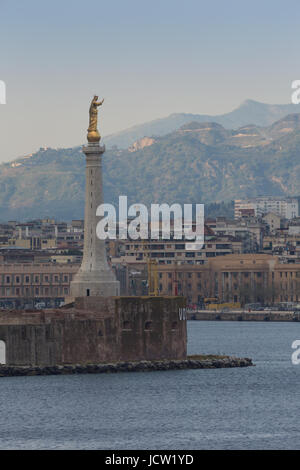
x=147, y=59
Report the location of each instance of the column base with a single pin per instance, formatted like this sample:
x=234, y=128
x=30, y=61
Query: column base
x=89, y=285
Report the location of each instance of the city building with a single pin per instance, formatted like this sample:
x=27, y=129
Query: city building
x=170, y=251
x=273, y=221
x=249, y=230
x=284, y=207
x=25, y=285
x=232, y=278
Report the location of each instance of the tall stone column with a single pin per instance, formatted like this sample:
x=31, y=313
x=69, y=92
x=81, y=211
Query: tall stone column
x=95, y=277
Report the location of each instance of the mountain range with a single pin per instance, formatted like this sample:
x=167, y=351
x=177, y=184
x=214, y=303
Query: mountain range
x=249, y=112
x=197, y=163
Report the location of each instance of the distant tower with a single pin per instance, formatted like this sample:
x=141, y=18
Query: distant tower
x=95, y=277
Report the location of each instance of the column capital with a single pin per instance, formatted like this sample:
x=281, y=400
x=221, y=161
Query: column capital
x=93, y=148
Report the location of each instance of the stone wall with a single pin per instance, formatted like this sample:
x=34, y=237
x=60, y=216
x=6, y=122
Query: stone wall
x=207, y=315
x=97, y=330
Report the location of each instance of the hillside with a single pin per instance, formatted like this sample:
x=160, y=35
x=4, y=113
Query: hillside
x=199, y=163
x=249, y=112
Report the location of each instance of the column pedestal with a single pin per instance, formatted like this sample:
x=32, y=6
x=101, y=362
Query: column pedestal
x=95, y=277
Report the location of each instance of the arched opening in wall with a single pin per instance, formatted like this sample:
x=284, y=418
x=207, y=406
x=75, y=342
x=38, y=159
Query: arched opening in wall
x=88, y=292
x=2, y=352
x=174, y=325
x=148, y=325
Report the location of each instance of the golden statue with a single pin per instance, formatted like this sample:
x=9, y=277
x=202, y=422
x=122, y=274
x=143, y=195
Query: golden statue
x=93, y=134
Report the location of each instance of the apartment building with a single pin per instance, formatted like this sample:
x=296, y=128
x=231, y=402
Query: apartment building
x=170, y=251
x=250, y=231
x=284, y=207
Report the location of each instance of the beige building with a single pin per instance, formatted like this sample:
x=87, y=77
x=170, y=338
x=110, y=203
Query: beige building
x=273, y=221
x=33, y=243
x=234, y=278
x=35, y=281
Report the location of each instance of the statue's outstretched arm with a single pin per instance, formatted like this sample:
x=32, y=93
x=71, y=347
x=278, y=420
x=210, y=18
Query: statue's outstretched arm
x=99, y=103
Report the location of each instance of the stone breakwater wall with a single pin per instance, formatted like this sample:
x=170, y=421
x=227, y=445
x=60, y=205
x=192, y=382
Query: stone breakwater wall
x=140, y=366
x=208, y=315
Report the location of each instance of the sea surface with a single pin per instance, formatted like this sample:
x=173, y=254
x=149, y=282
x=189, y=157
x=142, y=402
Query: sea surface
x=248, y=408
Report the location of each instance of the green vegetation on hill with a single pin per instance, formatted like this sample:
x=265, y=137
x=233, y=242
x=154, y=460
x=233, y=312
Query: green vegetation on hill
x=199, y=163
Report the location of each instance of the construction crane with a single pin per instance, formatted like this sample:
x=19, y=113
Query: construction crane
x=152, y=266
x=152, y=270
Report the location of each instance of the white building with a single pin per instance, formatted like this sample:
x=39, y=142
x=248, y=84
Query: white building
x=286, y=208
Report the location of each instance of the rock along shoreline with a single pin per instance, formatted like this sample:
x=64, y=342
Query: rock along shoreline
x=211, y=362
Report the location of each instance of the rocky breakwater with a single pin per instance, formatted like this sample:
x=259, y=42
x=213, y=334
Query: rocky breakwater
x=192, y=362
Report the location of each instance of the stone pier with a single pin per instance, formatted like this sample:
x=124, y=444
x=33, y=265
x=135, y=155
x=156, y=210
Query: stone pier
x=97, y=330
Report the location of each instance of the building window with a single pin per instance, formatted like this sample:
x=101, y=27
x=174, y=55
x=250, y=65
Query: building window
x=148, y=325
